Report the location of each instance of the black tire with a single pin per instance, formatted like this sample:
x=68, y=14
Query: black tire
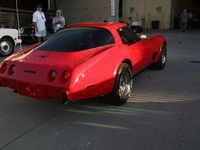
x=140, y=30
x=137, y=29
x=122, y=87
x=163, y=59
x=34, y=39
x=6, y=47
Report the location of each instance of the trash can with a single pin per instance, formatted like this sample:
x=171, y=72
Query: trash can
x=155, y=24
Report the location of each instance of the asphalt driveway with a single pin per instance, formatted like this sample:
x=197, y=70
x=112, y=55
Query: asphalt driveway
x=162, y=114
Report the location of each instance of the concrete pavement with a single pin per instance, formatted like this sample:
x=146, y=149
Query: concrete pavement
x=163, y=112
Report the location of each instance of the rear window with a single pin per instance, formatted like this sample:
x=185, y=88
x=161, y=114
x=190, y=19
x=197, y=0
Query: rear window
x=77, y=39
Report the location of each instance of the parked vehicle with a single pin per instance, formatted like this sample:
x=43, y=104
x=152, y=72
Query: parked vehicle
x=8, y=40
x=27, y=33
x=83, y=61
x=135, y=26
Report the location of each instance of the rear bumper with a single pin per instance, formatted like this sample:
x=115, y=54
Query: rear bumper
x=40, y=91
x=18, y=41
x=37, y=91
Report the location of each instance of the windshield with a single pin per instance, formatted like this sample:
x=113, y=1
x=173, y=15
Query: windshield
x=77, y=39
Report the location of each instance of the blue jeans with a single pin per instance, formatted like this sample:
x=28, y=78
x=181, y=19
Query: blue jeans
x=184, y=26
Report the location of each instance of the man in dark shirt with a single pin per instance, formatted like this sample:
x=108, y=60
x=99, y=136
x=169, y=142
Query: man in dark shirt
x=184, y=17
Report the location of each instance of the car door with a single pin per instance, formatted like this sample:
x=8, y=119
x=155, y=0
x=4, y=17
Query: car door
x=139, y=49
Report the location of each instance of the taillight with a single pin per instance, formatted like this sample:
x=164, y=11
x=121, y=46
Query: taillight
x=51, y=75
x=66, y=74
x=64, y=77
x=12, y=69
x=4, y=67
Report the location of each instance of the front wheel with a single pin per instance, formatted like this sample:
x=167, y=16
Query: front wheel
x=163, y=59
x=122, y=86
x=6, y=47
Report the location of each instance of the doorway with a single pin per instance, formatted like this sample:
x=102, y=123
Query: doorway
x=120, y=9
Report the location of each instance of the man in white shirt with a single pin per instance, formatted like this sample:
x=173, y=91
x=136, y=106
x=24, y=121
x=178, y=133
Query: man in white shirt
x=39, y=23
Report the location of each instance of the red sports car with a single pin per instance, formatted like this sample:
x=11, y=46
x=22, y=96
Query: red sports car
x=83, y=61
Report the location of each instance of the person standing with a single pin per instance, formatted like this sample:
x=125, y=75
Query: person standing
x=190, y=20
x=184, y=17
x=58, y=21
x=39, y=23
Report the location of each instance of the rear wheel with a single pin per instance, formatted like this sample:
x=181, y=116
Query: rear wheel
x=122, y=86
x=163, y=58
x=6, y=47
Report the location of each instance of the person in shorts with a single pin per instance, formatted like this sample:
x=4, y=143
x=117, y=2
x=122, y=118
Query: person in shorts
x=39, y=23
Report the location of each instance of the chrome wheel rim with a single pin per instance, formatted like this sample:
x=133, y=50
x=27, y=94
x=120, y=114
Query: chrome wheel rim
x=163, y=57
x=5, y=47
x=125, y=86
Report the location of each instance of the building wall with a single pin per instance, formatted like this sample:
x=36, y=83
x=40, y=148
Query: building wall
x=8, y=17
x=85, y=10
x=99, y=10
x=154, y=7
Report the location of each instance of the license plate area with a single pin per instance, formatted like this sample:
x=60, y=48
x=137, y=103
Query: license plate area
x=31, y=90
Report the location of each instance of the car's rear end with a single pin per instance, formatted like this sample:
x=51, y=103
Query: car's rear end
x=52, y=68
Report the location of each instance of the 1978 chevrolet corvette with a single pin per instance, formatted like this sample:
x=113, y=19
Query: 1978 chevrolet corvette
x=83, y=61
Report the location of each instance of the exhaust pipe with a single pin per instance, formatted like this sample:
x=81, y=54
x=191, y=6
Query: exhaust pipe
x=65, y=100
x=15, y=91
